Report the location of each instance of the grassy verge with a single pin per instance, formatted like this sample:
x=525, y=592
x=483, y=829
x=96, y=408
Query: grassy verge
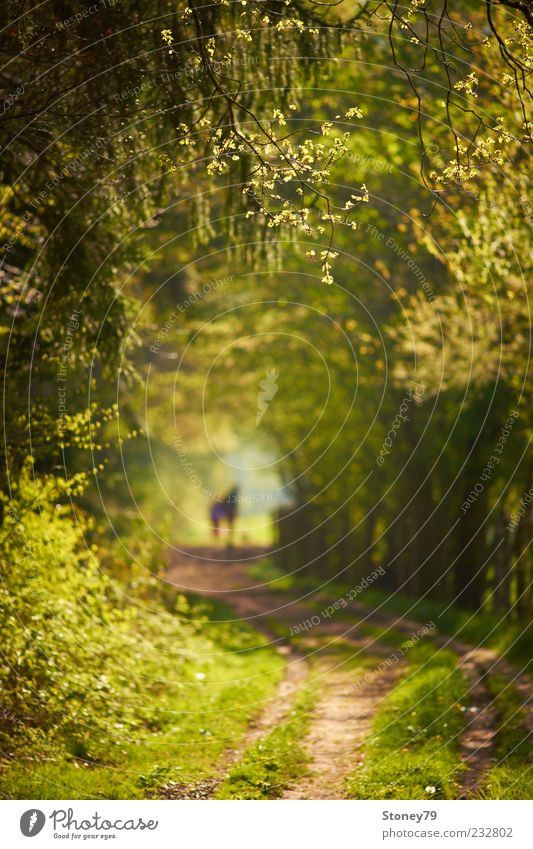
x=190, y=688
x=512, y=776
x=412, y=752
x=279, y=759
x=265, y=571
x=274, y=762
x=508, y=637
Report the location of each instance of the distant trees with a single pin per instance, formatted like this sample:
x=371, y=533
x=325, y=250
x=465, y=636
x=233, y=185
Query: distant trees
x=445, y=287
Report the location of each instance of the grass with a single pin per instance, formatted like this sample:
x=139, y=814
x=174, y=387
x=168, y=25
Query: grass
x=225, y=674
x=277, y=760
x=204, y=677
x=265, y=571
x=269, y=766
x=412, y=752
x=509, y=638
x=512, y=776
x=380, y=633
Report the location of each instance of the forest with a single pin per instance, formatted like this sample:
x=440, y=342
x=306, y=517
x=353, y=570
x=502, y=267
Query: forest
x=265, y=340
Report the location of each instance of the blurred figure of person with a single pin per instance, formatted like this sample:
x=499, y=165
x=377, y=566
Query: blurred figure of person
x=231, y=503
x=217, y=513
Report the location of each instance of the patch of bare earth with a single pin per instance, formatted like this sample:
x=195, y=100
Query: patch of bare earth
x=477, y=742
x=213, y=578
x=344, y=712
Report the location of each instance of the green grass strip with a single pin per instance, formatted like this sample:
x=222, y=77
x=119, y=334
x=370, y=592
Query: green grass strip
x=193, y=707
x=509, y=637
x=413, y=751
x=271, y=764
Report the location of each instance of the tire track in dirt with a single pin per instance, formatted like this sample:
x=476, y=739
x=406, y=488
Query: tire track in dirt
x=479, y=739
x=343, y=715
x=218, y=579
x=344, y=712
x=274, y=713
x=341, y=722
x=477, y=743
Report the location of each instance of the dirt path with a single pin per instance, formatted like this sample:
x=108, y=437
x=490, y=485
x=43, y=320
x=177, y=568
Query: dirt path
x=274, y=713
x=344, y=712
x=343, y=715
x=342, y=720
x=208, y=572
x=477, y=744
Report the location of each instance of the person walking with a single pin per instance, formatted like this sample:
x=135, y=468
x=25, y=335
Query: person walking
x=231, y=506
x=217, y=513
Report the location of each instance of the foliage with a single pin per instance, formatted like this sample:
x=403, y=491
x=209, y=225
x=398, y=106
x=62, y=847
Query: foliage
x=95, y=673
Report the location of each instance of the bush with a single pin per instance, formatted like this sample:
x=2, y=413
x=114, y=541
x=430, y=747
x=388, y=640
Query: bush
x=68, y=650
